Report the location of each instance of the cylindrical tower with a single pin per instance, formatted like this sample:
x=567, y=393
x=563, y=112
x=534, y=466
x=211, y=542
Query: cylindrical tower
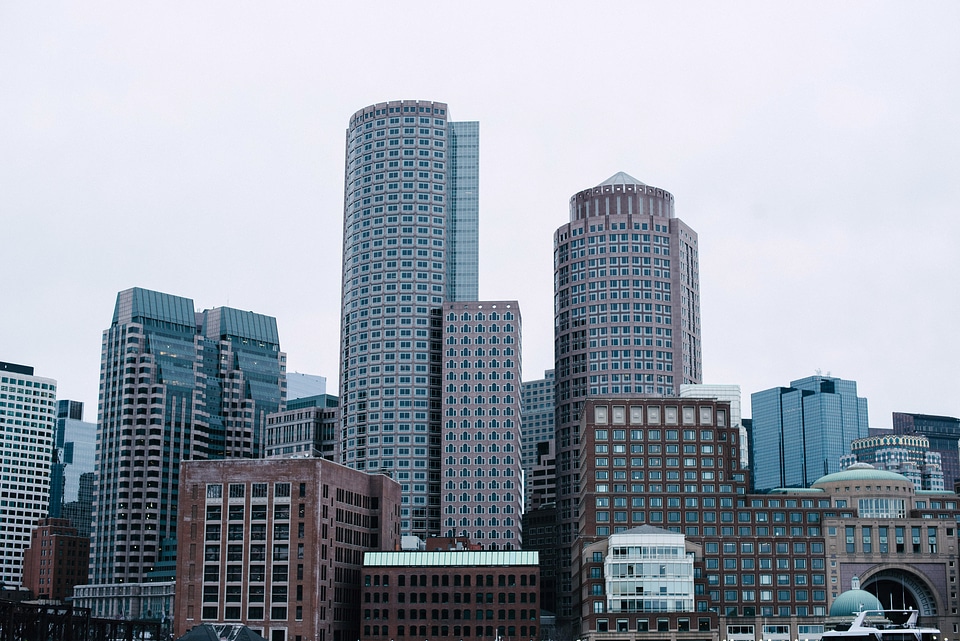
x=401, y=235
x=626, y=310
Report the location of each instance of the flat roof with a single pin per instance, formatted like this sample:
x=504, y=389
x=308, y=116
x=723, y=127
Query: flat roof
x=454, y=558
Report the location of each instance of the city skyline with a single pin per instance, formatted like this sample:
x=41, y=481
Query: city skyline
x=799, y=145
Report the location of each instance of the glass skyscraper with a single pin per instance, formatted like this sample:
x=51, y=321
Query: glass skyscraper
x=799, y=433
x=410, y=244
x=175, y=385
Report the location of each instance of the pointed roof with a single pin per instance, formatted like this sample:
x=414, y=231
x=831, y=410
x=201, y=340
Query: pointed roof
x=621, y=178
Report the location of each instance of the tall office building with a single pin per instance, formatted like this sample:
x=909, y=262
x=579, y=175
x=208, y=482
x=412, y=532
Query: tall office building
x=28, y=414
x=76, y=442
x=482, y=491
x=175, y=385
x=536, y=426
x=943, y=433
x=409, y=245
x=799, y=433
x=627, y=316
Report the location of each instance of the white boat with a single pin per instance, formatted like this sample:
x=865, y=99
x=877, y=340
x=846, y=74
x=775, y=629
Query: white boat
x=883, y=625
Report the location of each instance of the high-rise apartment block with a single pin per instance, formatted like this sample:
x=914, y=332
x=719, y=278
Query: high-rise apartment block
x=627, y=315
x=28, y=414
x=410, y=244
x=279, y=544
x=943, y=434
x=799, y=433
x=482, y=478
x=175, y=385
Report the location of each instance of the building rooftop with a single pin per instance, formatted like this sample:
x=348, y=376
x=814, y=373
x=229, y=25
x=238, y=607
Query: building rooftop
x=621, y=178
x=458, y=558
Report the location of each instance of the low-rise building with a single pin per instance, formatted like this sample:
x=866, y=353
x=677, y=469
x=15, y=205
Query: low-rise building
x=56, y=559
x=459, y=596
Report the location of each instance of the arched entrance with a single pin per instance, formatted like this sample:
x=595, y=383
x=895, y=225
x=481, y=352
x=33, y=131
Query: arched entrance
x=900, y=589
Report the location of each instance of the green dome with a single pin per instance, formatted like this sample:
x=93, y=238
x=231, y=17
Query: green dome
x=852, y=602
x=862, y=472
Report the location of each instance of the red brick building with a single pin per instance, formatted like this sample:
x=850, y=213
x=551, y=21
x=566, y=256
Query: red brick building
x=277, y=544
x=56, y=559
x=460, y=596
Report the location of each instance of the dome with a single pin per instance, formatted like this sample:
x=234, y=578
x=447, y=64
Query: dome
x=861, y=472
x=853, y=601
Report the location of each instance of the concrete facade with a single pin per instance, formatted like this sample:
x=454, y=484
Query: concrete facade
x=482, y=475
x=28, y=414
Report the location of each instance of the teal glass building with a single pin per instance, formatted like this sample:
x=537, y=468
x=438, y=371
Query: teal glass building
x=410, y=244
x=799, y=433
x=175, y=385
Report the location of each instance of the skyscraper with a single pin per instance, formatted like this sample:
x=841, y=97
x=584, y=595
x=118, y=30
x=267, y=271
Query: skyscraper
x=175, y=385
x=482, y=491
x=627, y=316
x=409, y=245
x=28, y=414
x=943, y=432
x=76, y=443
x=800, y=432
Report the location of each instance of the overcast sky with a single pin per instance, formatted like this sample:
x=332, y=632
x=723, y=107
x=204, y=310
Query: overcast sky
x=197, y=149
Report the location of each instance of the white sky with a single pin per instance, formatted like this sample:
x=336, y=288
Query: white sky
x=197, y=149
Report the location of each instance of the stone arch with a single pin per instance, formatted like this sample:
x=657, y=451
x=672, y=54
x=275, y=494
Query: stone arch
x=904, y=588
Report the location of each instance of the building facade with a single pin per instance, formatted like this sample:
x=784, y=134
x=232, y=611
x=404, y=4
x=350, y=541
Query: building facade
x=943, y=433
x=536, y=424
x=175, y=386
x=764, y=564
x=482, y=477
x=639, y=581
x=460, y=596
x=729, y=393
x=799, y=433
x=627, y=316
x=278, y=544
x=410, y=244
x=28, y=414
x=906, y=454
x=76, y=444
x=56, y=559
x=541, y=481
x=309, y=426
